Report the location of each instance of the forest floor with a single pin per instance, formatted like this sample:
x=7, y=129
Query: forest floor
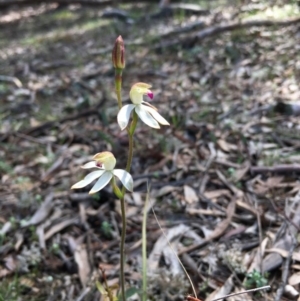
x=223, y=177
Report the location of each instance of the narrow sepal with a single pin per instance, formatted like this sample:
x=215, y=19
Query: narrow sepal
x=125, y=178
x=124, y=115
x=102, y=182
x=156, y=115
x=88, y=179
x=146, y=117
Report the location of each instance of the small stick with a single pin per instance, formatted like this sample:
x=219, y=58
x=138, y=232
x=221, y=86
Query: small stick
x=190, y=298
x=248, y=291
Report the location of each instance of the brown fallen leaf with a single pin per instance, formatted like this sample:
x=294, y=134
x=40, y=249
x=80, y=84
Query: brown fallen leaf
x=273, y=182
x=190, y=195
x=216, y=193
x=82, y=260
x=294, y=279
x=42, y=213
x=163, y=191
x=263, y=186
x=60, y=226
x=223, y=145
x=243, y=205
x=234, y=232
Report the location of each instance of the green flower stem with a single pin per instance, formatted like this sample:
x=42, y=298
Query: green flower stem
x=130, y=132
x=118, y=86
x=122, y=249
x=133, y=124
x=123, y=210
x=118, y=193
x=144, y=248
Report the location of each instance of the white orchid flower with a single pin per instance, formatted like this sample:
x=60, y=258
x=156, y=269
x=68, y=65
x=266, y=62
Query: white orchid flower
x=144, y=110
x=106, y=163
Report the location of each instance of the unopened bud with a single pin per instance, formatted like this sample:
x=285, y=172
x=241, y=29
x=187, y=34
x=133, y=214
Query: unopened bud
x=118, y=54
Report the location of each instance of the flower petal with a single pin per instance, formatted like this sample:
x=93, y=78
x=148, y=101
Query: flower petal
x=102, y=182
x=125, y=177
x=146, y=117
x=88, y=165
x=88, y=179
x=156, y=115
x=124, y=115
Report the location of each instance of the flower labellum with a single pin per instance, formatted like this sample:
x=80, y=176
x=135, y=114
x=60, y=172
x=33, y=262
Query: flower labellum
x=105, y=162
x=144, y=110
x=118, y=54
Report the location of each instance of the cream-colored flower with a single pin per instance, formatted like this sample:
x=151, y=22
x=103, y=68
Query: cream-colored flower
x=105, y=162
x=144, y=110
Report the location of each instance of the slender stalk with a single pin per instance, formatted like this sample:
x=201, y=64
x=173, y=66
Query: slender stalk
x=130, y=132
x=144, y=248
x=118, y=86
x=122, y=249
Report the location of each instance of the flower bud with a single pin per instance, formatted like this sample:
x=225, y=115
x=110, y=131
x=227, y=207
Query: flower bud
x=118, y=54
